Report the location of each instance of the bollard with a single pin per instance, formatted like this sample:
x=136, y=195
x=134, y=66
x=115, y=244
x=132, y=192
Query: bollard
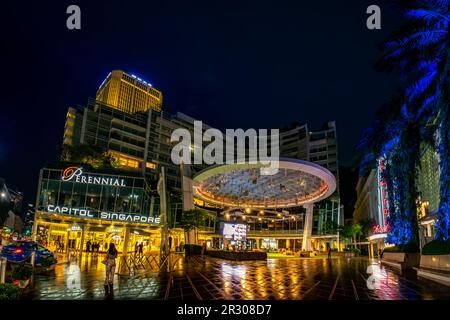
x=3, y=263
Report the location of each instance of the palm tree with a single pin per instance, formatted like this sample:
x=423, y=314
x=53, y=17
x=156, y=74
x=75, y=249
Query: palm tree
x=357, y=232
x=192, y=220
x=421, y=52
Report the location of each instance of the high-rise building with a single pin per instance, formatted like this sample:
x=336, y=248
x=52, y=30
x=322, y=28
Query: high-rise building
x=300, y=142
x=318, y=146
x=129, y=93
x=137, y=137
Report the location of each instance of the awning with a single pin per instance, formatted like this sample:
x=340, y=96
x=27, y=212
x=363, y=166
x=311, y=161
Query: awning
x=377, y=236
x=140, y=232
x=97, y=229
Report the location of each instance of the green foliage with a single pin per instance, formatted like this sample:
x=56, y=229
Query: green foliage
x=357, y=229
x=93, y=155
x=331, y=227
x=356, y=251
x=436, y=247
x=411, y=247
x=347, y=232
x=193, y=219
x=22, y=271
x=9, y=292
x=193, y=249
x=48, y=261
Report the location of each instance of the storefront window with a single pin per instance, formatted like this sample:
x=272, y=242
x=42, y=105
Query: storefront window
x=123, y=199
x=108, y=198
x=52, y=192
x=65, y=195
x=79, y=195
x=136, y=198
x=93, y=196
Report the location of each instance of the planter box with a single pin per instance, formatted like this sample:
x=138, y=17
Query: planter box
x=437, y=262
x=237, y=255
x=22, y=284
x=401, y=260
x=435, y=268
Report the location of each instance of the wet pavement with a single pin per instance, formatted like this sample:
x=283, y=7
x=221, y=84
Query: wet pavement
x=275, y=279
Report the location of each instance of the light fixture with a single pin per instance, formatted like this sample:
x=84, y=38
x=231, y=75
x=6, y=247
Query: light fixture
x=248, y=210
x=261, y=211
x=3, y=194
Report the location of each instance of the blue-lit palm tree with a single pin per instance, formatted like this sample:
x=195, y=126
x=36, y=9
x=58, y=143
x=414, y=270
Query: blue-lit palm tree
x=421, y=52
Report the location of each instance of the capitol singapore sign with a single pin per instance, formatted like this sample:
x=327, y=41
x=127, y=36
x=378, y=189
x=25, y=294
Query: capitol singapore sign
x=86, y=213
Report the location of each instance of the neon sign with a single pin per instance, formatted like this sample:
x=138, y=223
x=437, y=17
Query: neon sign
x=112, y=216
x=76, y=174
x=383, y=201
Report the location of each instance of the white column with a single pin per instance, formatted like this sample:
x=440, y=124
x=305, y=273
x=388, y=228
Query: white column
x=83, y=227
x=188, y=199
x=126, y=241
x=307, y=230
x=163, y=210
x=186, y=187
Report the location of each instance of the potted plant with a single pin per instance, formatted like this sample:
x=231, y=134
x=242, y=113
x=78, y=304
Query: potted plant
x=9, y=292
x=21, y=274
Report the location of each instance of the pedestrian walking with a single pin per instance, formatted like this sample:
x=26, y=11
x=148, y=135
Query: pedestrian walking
x=141, y=249
x=329, y=251
x=110, y=267
x=136, y=248
x=88, y=246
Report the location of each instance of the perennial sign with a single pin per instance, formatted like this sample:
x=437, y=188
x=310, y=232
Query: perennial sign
x=76, y=174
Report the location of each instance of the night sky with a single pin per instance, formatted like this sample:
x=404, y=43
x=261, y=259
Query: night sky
x=232, y=64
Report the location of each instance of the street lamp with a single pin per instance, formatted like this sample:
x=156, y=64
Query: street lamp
x=3, y=194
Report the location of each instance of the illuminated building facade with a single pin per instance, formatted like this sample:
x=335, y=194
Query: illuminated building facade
x=76, y=205
x=429, y=195
x=318, y=146
x=137, y=139
x=129, y=93
x=371, y=208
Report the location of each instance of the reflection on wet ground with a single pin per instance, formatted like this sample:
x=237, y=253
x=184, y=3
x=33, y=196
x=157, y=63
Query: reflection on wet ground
x=207, y=278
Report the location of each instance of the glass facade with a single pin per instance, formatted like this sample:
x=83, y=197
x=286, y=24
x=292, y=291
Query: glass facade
x=130, y=197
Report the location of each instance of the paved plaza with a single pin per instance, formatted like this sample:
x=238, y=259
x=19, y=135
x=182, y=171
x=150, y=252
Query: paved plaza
x=204, y=278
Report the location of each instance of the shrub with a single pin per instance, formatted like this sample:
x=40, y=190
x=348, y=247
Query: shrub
x=436, y=247
x=22, y=271
x=411, y=247
x=48, y=261
x=192, y=249
x=356, y=251
x=9, y=292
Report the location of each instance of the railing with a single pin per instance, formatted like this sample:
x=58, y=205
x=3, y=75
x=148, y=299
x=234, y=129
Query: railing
x=134, y=262
x=275, y=232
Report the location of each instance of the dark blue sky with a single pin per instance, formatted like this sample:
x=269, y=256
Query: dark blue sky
x=233, y=64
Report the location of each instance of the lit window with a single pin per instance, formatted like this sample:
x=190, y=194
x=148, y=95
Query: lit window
x=150, y=165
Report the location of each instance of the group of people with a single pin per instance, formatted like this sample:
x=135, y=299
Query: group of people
x=92, y=247
x=139, y=248
x=59, y=246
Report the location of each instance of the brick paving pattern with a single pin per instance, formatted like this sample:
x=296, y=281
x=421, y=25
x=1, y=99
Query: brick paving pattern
x=209, y=279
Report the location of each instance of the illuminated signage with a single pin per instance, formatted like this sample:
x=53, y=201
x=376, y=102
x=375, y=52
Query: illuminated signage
x=232, y=231
x=76, y=174
x=86, y=213
x=383, y=201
